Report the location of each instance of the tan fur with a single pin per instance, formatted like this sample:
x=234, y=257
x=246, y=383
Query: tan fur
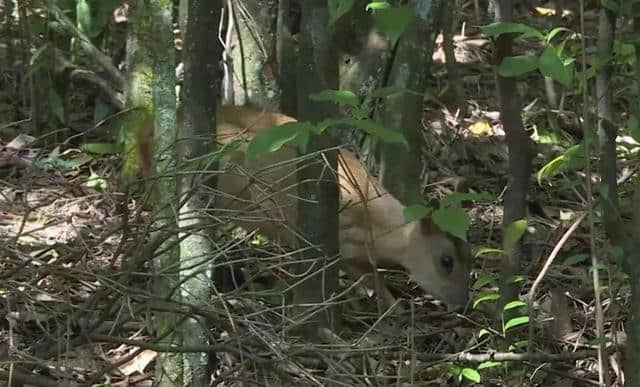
x=270, y=181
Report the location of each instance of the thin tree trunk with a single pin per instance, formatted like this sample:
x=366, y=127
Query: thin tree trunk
x=197, y=127
x=401, y=170
x=519, y=147
x=151, y=88
x=318, y=209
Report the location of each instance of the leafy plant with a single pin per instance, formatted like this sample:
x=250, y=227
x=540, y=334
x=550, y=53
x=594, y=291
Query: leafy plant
x=554, y=61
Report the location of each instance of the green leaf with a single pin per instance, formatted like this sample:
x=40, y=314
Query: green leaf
x=575, y=259
x=486, y=250
x=274, y=138
x=513, y=66
x=415, y=212
x=514, y=304
x=551, y=66
x=600, y=340
x=96, y=181
x=337, y=8
x=556, y=31
x=492, y=296
x=101, y=148
x=516, y=321
x=516, y=278
x=393, y=21
x=383, y=92
x=514, y=232
x=499, y=28
x=485, y=280
x=56, y=104
x=376, y=129
x=83, y=16
x=483, y=332
x=471, y=374
x=375, y=5
x=452, y=220
x=489, y=364
x=336, y=96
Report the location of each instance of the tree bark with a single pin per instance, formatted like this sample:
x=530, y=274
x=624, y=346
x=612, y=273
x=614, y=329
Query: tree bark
x=400, y=170
x=318, y=209
x=151, y=91
x=519, y=148
x=197, y=128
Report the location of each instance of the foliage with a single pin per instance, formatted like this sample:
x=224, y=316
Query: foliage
x=553, y=62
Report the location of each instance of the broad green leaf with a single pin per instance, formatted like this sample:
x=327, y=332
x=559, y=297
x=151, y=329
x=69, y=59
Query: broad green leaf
x=377, y=5
x=56, y=104
x=485, y=280
x=575, y=259
x=516, y=321
x=336, y=96
x=550, y=169
x=376, y=129
x=513, y=66
x=555, y=32
x=383, y=92
x=452, y=220
x=415, y=212
x=572, y=159
x=83, y=16
x=514, y=304
x=514, y=232
x=274, y=138
x=486, y=297
x=471, y=374
x=337, y=8
x=551, y=66
x=499, y=28
x=489, y=364
x=101, y=148
x=393, y=21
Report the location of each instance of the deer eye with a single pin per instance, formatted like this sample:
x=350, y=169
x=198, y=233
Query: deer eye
x=447, y=263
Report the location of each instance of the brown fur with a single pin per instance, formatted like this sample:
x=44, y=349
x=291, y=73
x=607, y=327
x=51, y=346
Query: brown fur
x=270, y=181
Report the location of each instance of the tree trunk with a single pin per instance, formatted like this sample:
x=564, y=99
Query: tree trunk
x=286, y=58
x=151, y=85
x=632, y=365
x=318, y=209
x=197, y=126
x=401, y=170
x=519, y=148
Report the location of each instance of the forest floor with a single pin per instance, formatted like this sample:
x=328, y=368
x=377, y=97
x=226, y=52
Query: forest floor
x=71, y=311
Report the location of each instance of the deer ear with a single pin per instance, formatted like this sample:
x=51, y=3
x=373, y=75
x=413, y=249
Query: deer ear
x=428, y=227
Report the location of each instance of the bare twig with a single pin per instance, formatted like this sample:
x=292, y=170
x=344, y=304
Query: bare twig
x=543, y=272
